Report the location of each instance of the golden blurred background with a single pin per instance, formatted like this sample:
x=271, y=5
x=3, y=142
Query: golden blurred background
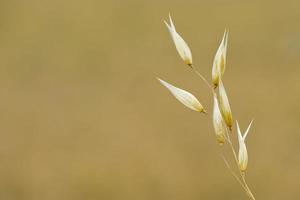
x=82, y=116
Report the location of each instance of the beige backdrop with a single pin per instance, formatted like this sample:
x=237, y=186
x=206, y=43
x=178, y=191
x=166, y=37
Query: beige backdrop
x=82, y=116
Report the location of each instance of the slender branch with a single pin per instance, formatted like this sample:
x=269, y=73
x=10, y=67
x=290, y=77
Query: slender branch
x=233, y=173
x=203, y=78
x=248, y=189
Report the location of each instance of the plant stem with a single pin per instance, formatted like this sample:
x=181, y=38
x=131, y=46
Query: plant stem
x=241, y=179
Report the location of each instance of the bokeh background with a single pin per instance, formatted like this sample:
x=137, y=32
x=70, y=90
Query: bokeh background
x=82, y=116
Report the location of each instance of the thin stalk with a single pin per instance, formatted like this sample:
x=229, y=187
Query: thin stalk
x=233, y=173
x=248, y=189
x=202, y=77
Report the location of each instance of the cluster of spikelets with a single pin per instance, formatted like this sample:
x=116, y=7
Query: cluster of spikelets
x=221, y=116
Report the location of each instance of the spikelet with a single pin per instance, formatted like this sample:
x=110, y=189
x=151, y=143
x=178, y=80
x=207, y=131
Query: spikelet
x=218, y=122
x=219, y=63
x=243, y=154
x=224, y=105
x=184, y=97
x=181, y=46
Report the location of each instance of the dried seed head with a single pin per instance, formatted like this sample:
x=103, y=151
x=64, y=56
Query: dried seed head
x=181, y=46
x=218, y=122
x=243, y=154
x=219, y=63
x=224, y=105
x=184, y=97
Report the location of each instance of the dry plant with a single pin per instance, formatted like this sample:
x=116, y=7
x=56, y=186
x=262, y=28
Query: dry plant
x=221, y=116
